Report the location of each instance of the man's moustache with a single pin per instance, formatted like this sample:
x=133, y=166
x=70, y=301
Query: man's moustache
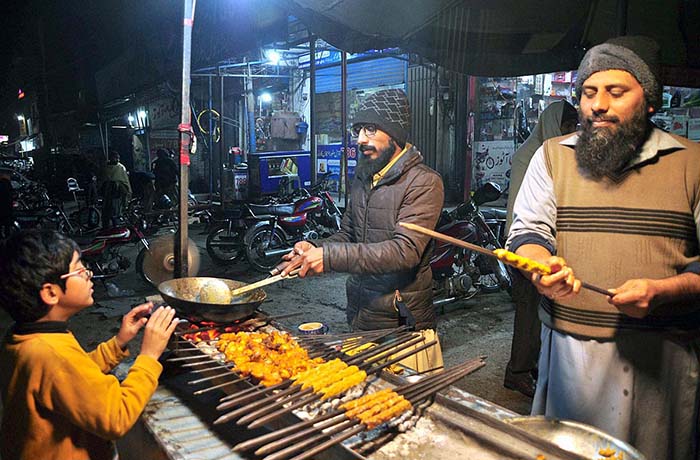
x=366, y=148
x=599, y=119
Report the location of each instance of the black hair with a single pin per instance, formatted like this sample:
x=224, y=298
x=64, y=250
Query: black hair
x=113, y=157
x=29, y=260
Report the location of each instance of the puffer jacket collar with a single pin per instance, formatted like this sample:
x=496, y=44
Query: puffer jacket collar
x=409, y=159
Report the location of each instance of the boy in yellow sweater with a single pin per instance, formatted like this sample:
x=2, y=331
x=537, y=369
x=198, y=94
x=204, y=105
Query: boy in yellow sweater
x=59, y=402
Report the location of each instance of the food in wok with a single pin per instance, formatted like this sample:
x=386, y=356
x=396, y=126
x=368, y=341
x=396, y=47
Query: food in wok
x=215, y=291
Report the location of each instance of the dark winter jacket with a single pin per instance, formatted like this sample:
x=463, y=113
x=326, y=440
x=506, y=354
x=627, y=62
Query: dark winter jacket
x=383, y=256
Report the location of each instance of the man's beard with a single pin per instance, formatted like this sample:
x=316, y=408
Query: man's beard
x=602, y=152
x=367, y=167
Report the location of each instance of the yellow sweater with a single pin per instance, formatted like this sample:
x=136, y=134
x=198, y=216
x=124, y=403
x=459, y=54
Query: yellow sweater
x=59, y=403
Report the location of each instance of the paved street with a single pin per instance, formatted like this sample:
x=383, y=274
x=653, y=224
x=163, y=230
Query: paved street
x=481, y=326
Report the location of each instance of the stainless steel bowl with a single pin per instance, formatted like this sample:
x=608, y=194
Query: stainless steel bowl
x=575, y=437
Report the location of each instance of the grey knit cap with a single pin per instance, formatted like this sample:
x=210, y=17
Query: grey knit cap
x=390, y=111
x=637, y=55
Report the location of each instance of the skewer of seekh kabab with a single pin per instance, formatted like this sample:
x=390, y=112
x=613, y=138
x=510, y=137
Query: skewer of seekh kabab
x=256, y=392
x=243, y=372
x=328, y=380
x=258, y=397
x=360, y=414
x=507, y=257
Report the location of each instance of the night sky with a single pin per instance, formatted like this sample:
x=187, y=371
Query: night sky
x=79, y=37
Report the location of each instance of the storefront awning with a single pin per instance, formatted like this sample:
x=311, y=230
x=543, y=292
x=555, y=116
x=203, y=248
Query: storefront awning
x=504, y=37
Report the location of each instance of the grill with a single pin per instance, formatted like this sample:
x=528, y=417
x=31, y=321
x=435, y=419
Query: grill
x=203, y=410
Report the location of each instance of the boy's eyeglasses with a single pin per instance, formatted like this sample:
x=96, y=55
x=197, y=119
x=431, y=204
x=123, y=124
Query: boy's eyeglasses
x=370, y=129
x=82, y=271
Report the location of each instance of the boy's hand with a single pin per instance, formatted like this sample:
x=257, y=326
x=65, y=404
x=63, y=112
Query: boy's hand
x=158, y=330
x=132, y=323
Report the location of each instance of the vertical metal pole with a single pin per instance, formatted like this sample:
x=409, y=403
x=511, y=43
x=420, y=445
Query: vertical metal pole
x=312, y=98
x=344, y=121
x=211, y=142
x=185, y=128
x=250, y=107
x=222, y=144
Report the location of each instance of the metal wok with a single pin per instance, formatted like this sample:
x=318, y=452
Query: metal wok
x=182, y=294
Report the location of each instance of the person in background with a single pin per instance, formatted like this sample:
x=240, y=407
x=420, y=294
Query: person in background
x=59, y=402
x=618, y=206
x=387, y=261
x=144, y=189
x=116, y=189
x=557, y=119
x=166, y=173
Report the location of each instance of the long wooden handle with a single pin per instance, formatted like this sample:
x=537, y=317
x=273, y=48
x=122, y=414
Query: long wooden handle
x=507, y=257
x=261, y=283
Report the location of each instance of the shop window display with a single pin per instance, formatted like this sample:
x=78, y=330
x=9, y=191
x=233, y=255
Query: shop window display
x=680, y=113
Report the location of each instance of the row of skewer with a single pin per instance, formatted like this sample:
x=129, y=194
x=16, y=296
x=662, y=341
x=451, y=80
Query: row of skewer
x=330, y=386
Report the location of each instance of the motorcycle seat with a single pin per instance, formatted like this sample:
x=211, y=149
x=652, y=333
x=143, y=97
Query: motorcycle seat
x=274, y=209
x=493, y=213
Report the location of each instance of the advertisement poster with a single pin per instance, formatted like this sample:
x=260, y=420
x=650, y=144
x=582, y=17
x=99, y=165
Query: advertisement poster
x=492, y=161
x=328, y=159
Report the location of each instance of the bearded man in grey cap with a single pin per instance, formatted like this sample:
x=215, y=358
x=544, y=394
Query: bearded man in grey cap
x=391, y=282
x=618, y=205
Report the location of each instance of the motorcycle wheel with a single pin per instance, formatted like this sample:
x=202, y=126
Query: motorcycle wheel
x=258, y=242
x=139, y=267
x=224, y=244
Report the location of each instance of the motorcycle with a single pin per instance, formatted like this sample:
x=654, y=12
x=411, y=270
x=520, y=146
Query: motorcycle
x=460, y=274
x=225, y=238
x=310, y=216
x=102, y=254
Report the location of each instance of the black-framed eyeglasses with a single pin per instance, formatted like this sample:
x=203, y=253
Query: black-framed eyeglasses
x=370, y=129
x=82, y=272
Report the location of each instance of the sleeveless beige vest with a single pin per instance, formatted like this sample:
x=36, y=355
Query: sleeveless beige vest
x=641, y=226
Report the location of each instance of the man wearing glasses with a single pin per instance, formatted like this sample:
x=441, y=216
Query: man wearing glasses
x=391, y=282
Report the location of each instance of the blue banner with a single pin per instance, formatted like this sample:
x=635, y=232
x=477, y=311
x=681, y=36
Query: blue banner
x=328, y=158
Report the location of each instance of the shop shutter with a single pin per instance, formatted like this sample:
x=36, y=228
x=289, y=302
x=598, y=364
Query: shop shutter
x=362, y=75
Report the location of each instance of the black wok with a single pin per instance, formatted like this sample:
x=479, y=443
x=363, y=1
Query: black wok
x=181, y=294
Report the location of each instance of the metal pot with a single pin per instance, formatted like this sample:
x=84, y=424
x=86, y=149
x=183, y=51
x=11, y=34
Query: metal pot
x=181, y=294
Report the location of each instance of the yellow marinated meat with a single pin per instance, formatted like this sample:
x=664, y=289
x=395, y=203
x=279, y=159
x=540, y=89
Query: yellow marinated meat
x=381, y=399
x=344, y=385
x=387, y=414
x=269, y=357
x=521, y=263
x=361, y=401
x=325, y=368
x=329, y=378
x=378, y=406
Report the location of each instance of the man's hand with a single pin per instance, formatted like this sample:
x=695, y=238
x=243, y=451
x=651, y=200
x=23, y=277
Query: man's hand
x=159, y=328
x=299, y=248
x=635, y=298
x=305, y=256
x=560, y=284
x=132, y=323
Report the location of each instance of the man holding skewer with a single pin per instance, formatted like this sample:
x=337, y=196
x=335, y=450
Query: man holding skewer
x=618, y=205
x=391, y=279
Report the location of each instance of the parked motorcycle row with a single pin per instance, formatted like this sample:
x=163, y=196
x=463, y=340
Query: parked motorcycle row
x=262, y=232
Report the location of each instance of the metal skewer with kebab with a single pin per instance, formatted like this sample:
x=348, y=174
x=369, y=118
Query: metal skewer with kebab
x=507, y=257
x=325, y=381
x=310, y=355
x=354, y=416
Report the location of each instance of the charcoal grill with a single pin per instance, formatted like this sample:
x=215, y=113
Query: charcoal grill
x=179, y=424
